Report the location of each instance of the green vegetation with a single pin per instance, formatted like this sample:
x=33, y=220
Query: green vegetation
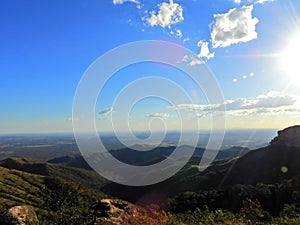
x=17, y=187
x=277, y=203
x=67, y=203
x=272, y=197
x=252, y=189
x=61, y=201
x=56, y=200
x=251, y=213
x=88, y=179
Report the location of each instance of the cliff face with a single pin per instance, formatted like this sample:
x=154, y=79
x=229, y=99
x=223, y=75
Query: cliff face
x=289, y=137
x=274, y=163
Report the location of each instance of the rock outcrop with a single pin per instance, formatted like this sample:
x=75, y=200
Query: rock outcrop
x=289, y=137
x=114, y=212
x=272, y=164
x=23, y=215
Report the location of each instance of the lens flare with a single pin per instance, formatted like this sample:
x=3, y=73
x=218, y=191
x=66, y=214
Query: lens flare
x=290, y=61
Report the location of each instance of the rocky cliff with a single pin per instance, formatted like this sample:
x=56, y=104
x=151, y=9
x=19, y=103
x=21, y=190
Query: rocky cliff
x=289, y=137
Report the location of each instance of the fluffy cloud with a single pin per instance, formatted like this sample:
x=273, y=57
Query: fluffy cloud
x=270, y=100
x=274, y=99
x=106, y=112
x=158, y=115
x=192, y=60
x=205, y=53
x=237, y=25
x=167, y=15
x=270, y=103
x=203, y=56
x=122, y=1
x=237, y=1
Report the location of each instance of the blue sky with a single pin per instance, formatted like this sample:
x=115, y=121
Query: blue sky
x=249, y=45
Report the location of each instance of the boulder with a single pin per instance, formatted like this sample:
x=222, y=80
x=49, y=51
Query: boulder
x=113, y=211
x=23, y=215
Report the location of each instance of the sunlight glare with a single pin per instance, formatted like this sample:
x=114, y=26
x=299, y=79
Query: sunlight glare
x=290, y=60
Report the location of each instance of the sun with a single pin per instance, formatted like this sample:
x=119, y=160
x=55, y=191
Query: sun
x=291, y=60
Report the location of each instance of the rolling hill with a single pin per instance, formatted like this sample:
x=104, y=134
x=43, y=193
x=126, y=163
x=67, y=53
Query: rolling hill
x=88, y=179
x=59, y=195
x=275, y=163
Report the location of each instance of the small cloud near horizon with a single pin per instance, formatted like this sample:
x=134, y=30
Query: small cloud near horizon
x=106, y=112
x=71, y=119
x=271, y=103
x=115, y=2
x=158, y=115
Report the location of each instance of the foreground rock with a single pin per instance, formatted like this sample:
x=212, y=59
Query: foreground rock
x=22, y=215
x=114, y=212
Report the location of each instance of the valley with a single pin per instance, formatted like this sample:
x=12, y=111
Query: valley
x=44, y=172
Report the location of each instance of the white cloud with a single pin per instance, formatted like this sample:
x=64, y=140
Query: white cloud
x=270, y=103
x=158, y=115
x=106, y=112
x=192, y=60
x=263, y=1
x=122, y=1
x=205, y=53
x=190, y=107
x=195, y=61
x=71, y=119
x=274, y=99
x=176, y=33
x=186, y=39
x=235, y=26
x=203, y=56
x=167, y=15
x=270, y=100
x=254, y=1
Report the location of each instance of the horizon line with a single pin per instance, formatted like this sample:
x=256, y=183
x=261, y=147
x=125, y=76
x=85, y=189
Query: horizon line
x=138, y=131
